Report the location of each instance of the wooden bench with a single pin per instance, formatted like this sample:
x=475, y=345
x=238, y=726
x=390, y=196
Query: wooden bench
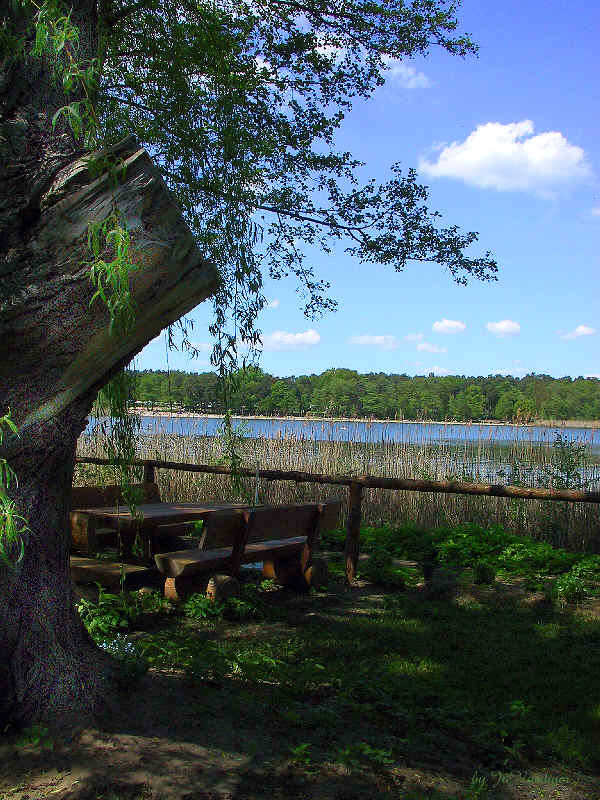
x=90, y=539
x=284, y=538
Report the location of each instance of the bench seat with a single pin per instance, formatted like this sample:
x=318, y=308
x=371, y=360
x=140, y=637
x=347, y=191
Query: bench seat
x=190, y=562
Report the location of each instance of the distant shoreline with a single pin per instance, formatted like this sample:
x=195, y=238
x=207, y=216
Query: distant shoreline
x=587, y=424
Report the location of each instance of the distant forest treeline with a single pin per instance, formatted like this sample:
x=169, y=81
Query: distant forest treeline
x=346, y=393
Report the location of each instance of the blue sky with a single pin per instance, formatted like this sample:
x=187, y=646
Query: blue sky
x=508, y=145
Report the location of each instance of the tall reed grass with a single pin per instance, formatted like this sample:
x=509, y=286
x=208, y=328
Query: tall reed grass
x=571, y=525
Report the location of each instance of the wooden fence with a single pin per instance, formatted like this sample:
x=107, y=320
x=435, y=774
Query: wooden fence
x=356, y=484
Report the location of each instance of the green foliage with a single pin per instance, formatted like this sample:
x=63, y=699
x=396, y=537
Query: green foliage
x=117, y=612
x=301, y=753
x=346, y=393
x=11, y=532
x=333, y=539
x=570, y=588
x=565, y=743
x=111, y=278
x=200, y=607
x=380, y=570
x=565, y=468
x=487, y=551
x=355, y=755
x=35, y=735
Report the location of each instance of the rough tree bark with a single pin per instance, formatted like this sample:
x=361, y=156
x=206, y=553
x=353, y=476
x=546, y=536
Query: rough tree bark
x=56, y=352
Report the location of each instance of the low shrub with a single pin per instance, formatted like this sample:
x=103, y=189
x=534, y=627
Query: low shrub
x=117, y=612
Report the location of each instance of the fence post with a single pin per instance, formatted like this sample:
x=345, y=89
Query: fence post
x=353, y=530
x=149, y=473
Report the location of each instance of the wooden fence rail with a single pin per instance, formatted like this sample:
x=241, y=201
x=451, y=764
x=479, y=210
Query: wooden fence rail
x=356, y=484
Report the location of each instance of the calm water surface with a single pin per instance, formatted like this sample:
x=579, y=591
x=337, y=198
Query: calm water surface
x=373, y=432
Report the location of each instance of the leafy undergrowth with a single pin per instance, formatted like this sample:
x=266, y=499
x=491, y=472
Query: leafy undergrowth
x=565, y=576
x=377, y=683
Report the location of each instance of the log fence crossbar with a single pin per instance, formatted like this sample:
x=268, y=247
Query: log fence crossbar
x=356, y=484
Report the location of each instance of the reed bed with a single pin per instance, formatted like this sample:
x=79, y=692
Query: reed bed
x=572, y=525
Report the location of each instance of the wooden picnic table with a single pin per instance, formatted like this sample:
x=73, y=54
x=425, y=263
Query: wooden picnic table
x=153, y=517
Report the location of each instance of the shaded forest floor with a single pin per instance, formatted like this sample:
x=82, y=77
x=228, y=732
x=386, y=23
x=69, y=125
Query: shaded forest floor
x=347, y=693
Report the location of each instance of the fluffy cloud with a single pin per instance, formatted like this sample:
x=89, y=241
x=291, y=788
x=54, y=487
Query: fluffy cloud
x=385, y=341
x=448, y=326
x=514, y=371
x=426, y=347
x=273, y=304
x=405, y=76
x=440, y=371
x=580, y=330
x=510, y=158
x=282, y=340
x=413, y=337
x=506, y=327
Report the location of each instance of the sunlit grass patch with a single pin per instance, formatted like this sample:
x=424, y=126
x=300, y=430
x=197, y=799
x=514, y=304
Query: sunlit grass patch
x=411, y=666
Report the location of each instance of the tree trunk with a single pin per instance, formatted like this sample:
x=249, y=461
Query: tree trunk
x=56, y=354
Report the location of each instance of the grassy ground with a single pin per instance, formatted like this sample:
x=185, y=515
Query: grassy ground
x=470, y=691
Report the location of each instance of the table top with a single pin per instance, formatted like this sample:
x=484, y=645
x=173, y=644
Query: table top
x=157, y=512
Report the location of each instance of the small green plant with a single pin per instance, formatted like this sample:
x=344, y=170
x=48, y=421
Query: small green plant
x=301, y=753
x=568, y=745
x=353, y=755
x=380, y=569
x=201, y=607
x=11, y=534
x=478, y=788
x=116, y=612
x=35, y=735
x=570, y=588
x=241, y=610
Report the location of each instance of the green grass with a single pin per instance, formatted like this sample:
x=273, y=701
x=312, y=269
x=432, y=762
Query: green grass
x=479, y=689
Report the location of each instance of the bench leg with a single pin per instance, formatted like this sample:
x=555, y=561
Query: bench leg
x=286, y=571
x=216, y=587
x=83, y=533
x=317, y=573
x=178, y=589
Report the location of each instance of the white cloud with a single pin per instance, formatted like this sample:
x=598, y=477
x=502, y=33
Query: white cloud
x=514, y=371
x=426, y=347
x=413, y=337
x=385, y=341
x=404, y=75
x=440, y=371
x=448, y=326
x=273, y=304
x=510, y=158
x=580, y=330
x=506, y=327
x=282, y=340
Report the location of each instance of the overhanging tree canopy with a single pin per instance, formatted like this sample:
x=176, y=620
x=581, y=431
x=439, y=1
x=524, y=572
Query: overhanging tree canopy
x=237, y=104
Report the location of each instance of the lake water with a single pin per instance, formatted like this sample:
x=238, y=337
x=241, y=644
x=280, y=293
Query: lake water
x=372, y=432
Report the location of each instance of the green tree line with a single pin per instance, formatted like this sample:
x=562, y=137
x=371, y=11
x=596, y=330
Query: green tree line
x=346, y=393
